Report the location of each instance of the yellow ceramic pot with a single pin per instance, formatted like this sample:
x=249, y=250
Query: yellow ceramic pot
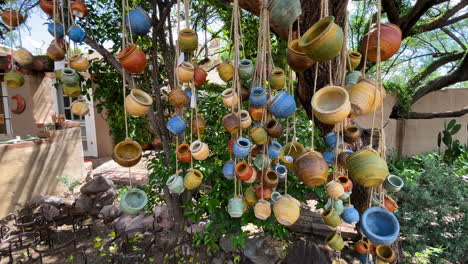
x=193, y=179
x=71, y=90
x=259, y=135
x=230, y=98
x=296, y=58
x=367, y=168
x=226, y=71
x=362, y=96
x=79, y=62
x=385, y=253
x=22, y=56
x=79, y=108
x=250, y=196
x=292, y=149
x=188, y=40
x=277, y=79
x=199, y=150
x=287, y=210
x=334, y=189
x=245, y=119
x=138, y=102
x=127, y=153
x=185, y=72
x=331, y=105
x=354, y=59
x=14, y=79
x=262, y=209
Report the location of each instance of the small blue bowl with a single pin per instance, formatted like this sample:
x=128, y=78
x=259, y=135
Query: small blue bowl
x=380, y=225
x=258, y=97
x=76, y=34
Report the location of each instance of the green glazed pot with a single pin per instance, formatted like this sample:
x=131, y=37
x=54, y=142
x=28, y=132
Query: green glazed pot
x=393, y=183
x=246, y=69
x=285, y=12
x=352, y=77
x=175, y=183
x=323, y=41
x=331, y=217
x=262, y=161
x=236, y=207
x=259, y=135
x=367, y=168
x=335, y=241
x=69, y=76
x=133, y=201
x=14, y=79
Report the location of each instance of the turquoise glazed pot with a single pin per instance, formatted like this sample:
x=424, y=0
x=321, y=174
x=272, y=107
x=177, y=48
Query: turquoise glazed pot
x=330, y=140
x=282, y=172
x=76, y=34
x=246, y=69
x=133, y=201
x=258, y=97
x=352, y=77
x=138, y=21
x=274, y=149
x=175, y=183
x=59, y=30
x=176, y=125
x=393, y=183
x=241, y=148
x=229, y=170
x=338, y=206
x=350, y=215
x=283, y=105
x=380, y=226
x=235, y=207
x=285, y=12
x=262, y=161
x=69, y=76
x=345, y=196
x=274, y=196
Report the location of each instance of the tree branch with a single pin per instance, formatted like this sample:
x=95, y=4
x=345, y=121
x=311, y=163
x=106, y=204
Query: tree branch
x=408, y=21
x=392, y=9
x=416, y=115
x=454, y=37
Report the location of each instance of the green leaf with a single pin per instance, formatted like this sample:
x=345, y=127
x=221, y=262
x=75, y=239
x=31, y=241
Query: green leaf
x=447, y=139
x=455, y=129
x=451, y=124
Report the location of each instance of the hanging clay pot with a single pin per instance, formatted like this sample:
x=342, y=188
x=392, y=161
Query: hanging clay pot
x=229, y=170
x=262, y=161
x=253, y=178
x=288, y=161
x=56, y=50
x=390, y=42
x=250, y=196
x=274, y=149
x=367, y=168
x=245, y=93
x=277, y=79
x=245, y=119
x=199, y=150
x=287, y=210
x=270, y=179
x=352, y=77
x=256, y=113
x=330, y=140
x=350, y=215
x=183, y=153
x=266, y=193
x=48, y=6
x=363, y=96
x=258, y=97
x=79, y=62
x=79, y=108
x=79, y=9
x=256, y=150
x=12, y=17
x=393, y=183
x=335, y=241
x=71, y=90
x=293, y=149
x=235, y=207
x=76, y=34
x=380, y=226
x=361, y=247
x=14, y=79
x=185, y=72
x=178, y=98
x=311, y=168
x=342, y=160
x=246, y=69
x=282, y=172
x=241, y=148
x=22, y=56
x=354, y=59
x=176, y=125
x=385, y=253
x=132, y=59
x=175, y=183
x=188, y=40
x=244, y=171
x=231, y=123
x=390, y=204
x=231, y=143
x=138, y=21
x=56, y=30
x=345, y=182
x=69, y=76
x=133, y=201
x=193, y=179
x=323, y=41
x=198, y=124
x=296, y=58
x=225, y=71
x=20, y=104
x=351, y=134
x=127, y=153
x=138, y=102
x=334, y=189
x=331, y=104
x=275, y=196
x=282, y=105
x=199, y=76
x=262, y=209
x=274, y=128
x=259, y=135
x=285, y=12
x=230, y=98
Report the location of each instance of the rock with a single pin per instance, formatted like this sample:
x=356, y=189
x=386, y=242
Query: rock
x=264, y=249
x=226, y=243
x=219, y=259
x=83, y=205
x=163, y=218
x=109, y=213
x=98, y=184
x=49, y=211
x=105, y=198
x=52, y=200
x=196, y=228
x=149, y=222
x=122, y=222
x=136, y=223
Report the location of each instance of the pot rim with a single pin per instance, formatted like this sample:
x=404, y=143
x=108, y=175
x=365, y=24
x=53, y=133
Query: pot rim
x=282, y=167
x=276, y=145
x=187, y=31
x=247, y=62
x=228, y=92
x=127, y=51
x=271, y=172
x=196, y=146
x=306, y=153
x=172, y=179
x=294, y=48
x=196, y=173
x=354, y=54
x=391, y=177
x=68, y=71
x=124, y=143
x=383, y=212
x=258, y=91
x=331, y=236
x=187, y=66
x=76, y=57
x=183, y=148
x=352, y=129
x=240, y=141
x=244, y=115
x=329, y=20
x=382, y=249
x=277, y=72
x=147, y=97
x=330, y=89
x=137, y=191
x=244, y=164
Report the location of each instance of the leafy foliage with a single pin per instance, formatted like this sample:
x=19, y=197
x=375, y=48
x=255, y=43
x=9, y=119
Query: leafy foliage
x=454, y=149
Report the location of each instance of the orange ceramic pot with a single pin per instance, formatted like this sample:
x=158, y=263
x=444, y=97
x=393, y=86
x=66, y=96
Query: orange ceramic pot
x=390, y=204
x=271, y=179
x=231, y=123
x=361, y=247
x=256, y=113
x=274, y=128
x=178, y=98
x=390, y=42
x=199, y=76
x=79, y=8
x=48, y=6
x=231, y=144
x=183, y=153
x=245, y=119
x=334, y=189
x=345, y=182
x=244, y=171
x=352, y=134
x=198, y=124
x=12, y=17
x=132, y=59
x=266, y=193
x=311, y=168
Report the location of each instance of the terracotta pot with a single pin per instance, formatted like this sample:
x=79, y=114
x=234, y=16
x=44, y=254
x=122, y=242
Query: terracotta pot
x=334, y=189
x=342, y=157
x=277, y=79
x=323, y=41
x=175, y=183
x=296, y=58
x=245, y=119
x=335, y=241
x=183, y=153
x=354, y=59
x=245, y=93
x=244, y=171
x=133, y=201
x=259, y=135
x=390, y=204
x=185, y=72
x=156, y=144
x=250, y=196
x=367, y=168
x=12, y=17
x=79, y=62
x=236, y=207
x=363, y=95
x=14, y=79
x=127, y=153
x=256, y=150
x=79, y=108
x=198, y=124
x=225, y=71
x=188, y=40
x=253, y=178
x=311, y=168
x=22, y=56
x=56, y=50
x=287, y=210
x=385, y=253
x=132, y=59
x=390, y=42
x=285, y=12
x=361, y=247
x=345, y=182
x=256, y=113
x=266, y=192
x=274, y=128
x=230, y=98
x=193, y=179
x=79, y=9
x=48, y=6
x=199, y=76
x=331, y=104
x=199, y=150
x=231, y=144
x=262, y=209
x=351, y=134
x=271, y=179
x=178, y=98
x=138, y=102
x=293, y=149
x=372, y=248
x=231, y=123
x=20, y=104
x=71, y=90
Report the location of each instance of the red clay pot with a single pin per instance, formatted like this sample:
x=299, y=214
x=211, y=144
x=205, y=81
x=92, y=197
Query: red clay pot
x=345, y=182
x=183, y=153
x=12, y=17
x=243, y=171
x=79, y=8
x=361, y=247
x=266, y=192
x=390, y=204
x=390, y=42
x=231, y=144
x=256, y=113
x=199, y=76
x=48, y=6
x=132, y=59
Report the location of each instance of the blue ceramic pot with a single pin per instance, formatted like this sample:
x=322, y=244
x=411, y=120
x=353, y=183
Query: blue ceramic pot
x=282, y=172
x=229, y=170
x=329, y=157
x=235, y=207
x=363, y=259
x=133, y=201
x=176, y=125
x=175, y=183
x=350, y=215
x=59, y=30
x=76, y=34
x=258, y=97
x=138, y=21
x=189, y=94
x=274, y=150
x=330, y=140
x=274, y=196
x=283, y=105
x=380, y=225
x=246, y=69
x=241, y=148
